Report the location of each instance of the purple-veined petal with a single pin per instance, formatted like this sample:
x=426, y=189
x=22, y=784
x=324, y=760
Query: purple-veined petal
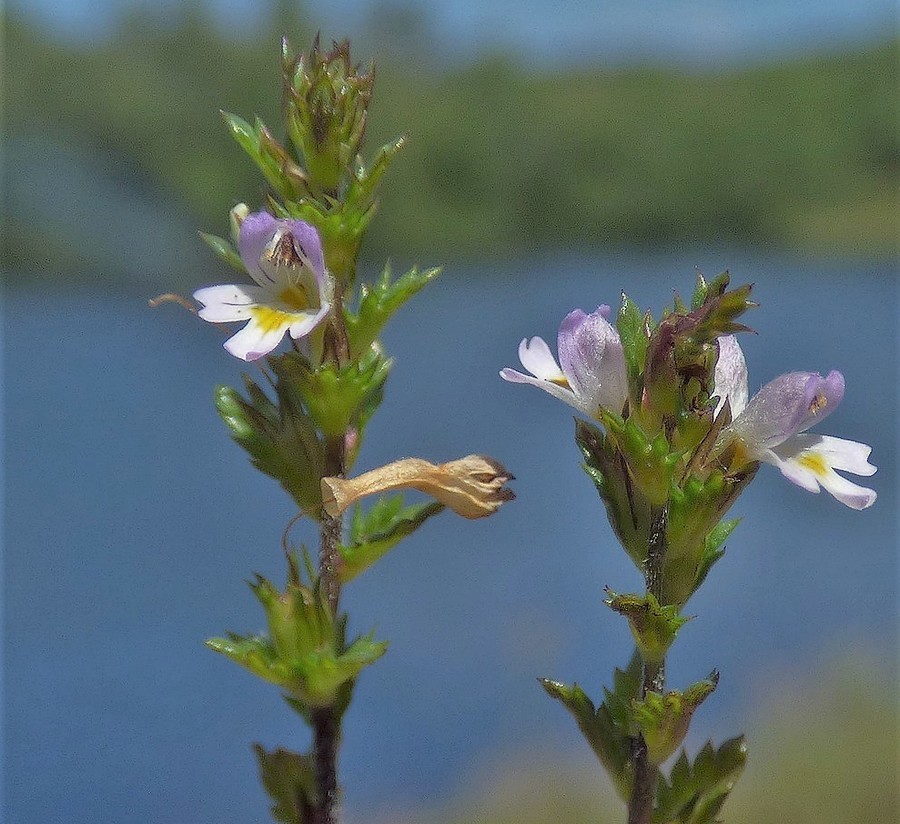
x=731, y=376
x=257, y=230
x=560, y=392
x=302, y=326
x=222, y=304
x=592, y=359
x=810, y=461
x=308, y=245
x=785, y=406
x=257, y=339
x=537, y=358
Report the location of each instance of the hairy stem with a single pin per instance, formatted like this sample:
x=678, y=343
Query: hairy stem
x=326, y=722
x=646, y=775
x=326, y=738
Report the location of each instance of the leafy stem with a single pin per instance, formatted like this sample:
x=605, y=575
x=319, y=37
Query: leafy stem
x=646, y=774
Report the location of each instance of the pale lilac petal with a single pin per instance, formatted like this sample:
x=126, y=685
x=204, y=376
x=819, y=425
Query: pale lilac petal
x=222, y=304
x=810, y=461
x=308, y=245
x=305, y=323
x=256, y=340
x=256, y=232
x=731, y=376
x=592, y=359
x=560, y=392
x=537, y=358
x=787, y=405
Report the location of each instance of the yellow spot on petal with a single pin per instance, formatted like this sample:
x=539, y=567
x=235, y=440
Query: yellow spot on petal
x=269, y=319
x=819, y=402
x=561, y=381
x=814, y=462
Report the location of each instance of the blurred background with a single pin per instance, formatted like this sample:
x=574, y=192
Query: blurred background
x=557, y=155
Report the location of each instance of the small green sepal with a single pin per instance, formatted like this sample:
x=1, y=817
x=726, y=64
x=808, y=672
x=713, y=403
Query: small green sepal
x=694, y=793
x=336, y=398
x=654, y=627
x=664, y=719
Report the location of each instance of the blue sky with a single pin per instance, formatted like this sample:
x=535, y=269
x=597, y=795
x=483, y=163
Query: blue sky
x=667, y=30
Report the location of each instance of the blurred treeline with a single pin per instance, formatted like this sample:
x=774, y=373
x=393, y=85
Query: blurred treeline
x=503, y=157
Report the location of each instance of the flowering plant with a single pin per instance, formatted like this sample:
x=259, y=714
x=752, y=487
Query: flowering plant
x=670, y=441
x=305, y=423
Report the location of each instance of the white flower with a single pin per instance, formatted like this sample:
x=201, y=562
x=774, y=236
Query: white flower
x=285, y=259
x=771, y=427
x=593, y=364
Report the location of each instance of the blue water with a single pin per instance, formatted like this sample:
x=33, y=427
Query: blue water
x=132, y=522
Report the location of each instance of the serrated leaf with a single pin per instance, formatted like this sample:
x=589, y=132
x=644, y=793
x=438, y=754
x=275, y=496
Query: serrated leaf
x=694, y=793
x=335, y=398
x=633, y=334
x=224, y=250
x=608, y=728
x=627, y=510
x=251, y=140
x=379, y=530
x=289, y=779
x=360, y=196
x=378, y=302
x=281, y=439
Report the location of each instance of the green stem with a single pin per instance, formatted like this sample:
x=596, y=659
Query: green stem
x=646, y=775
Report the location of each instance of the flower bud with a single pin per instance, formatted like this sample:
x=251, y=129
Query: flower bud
x=236, y=218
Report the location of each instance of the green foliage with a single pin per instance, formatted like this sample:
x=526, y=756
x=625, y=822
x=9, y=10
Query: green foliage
x=654, y=627
x=279, y=436
x=335, y=398
x=289, y=779
x=378, y=302
x=629, y=514
x=374, y=533
x=713, y=549
x=305, y=651
x=695, y=792
x=279, y=170
x=634, y=332
x=609, y=727
x=224, y=250
x=664, y=719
